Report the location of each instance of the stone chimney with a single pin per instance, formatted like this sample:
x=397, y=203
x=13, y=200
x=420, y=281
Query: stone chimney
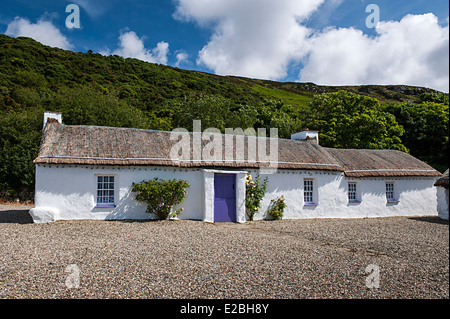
x=52, y=115
x=306, y=135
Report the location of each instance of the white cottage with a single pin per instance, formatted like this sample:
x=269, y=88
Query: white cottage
x=86, y=172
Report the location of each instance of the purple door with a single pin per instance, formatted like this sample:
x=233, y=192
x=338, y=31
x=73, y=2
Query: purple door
x=224, y=198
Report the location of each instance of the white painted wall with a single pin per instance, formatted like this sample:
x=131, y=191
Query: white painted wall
x=416, y=196
x=69, y=192
x=442, y=202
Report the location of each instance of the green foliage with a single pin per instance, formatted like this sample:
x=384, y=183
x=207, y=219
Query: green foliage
x=348, y=120
x=87, y=106
x=221, y=113
x=296, y=100
x=271, y=113
x=427, y=130
x=29, y=79
x=434, y=97
x=213, y=111
x=276, y=208
x=254, y=193
x=161, y=195
x=19, y=142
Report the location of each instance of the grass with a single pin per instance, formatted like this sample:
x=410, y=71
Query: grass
x=298, y=101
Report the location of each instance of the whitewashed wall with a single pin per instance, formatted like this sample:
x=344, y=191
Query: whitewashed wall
x=416, y=196
x=69, y=192
x=442, y=202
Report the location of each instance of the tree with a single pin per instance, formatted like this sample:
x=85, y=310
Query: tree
x=427, y=127
x=87, y=106
x=213, y=111
x=20, y=133
x=348, y=120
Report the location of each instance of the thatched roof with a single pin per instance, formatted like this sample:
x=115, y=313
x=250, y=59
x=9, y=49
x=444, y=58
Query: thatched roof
x=443, y=181
x=364, y=162
x=100, y=145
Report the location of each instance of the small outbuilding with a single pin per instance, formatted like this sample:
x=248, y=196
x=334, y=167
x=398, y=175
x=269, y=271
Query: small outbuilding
x=442, y=195
x=87, y=172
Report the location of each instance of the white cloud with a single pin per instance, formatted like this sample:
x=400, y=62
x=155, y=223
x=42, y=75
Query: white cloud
x=262, y=38
x=182, y=57
x=131, y=46
x=254, y=38
x=42, y=31
x=413, y=51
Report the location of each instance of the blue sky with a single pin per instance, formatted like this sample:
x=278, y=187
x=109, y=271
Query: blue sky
x=322, y=41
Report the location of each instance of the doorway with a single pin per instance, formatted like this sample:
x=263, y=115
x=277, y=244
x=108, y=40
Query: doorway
x=224, y=197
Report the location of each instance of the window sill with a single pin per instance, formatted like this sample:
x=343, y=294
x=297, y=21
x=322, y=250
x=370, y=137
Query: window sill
x=354, y=202
x=393, y=201
x=310, y=204
x=105, y=206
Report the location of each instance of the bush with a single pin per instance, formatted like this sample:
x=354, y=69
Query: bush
x=254, y=193
x=276, y=208
x=161, y=196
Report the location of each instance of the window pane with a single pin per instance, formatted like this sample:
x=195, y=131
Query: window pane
x=308, y=188
x=390, y=191
x=352, y=191
x=105, y=189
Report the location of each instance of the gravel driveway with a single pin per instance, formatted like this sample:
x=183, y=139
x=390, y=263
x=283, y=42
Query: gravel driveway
x=322, y=258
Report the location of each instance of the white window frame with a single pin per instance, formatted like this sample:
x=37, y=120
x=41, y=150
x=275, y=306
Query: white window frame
x=391, y=196
x=309, y=192
x=353, y=192
x=105, y=197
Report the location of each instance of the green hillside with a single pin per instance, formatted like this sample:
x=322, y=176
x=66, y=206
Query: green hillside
x=92, y=89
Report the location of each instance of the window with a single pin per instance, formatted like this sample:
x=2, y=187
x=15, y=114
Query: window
x=390, y=195
x=105, y=190
x=352, y=197
x=308, y=191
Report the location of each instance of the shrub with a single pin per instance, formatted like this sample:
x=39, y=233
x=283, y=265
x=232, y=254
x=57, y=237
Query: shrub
x=161, y=195
x=276, y=208
x=254, y=193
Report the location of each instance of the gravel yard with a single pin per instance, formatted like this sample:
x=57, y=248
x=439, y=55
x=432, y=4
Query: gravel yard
x=322, y=258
